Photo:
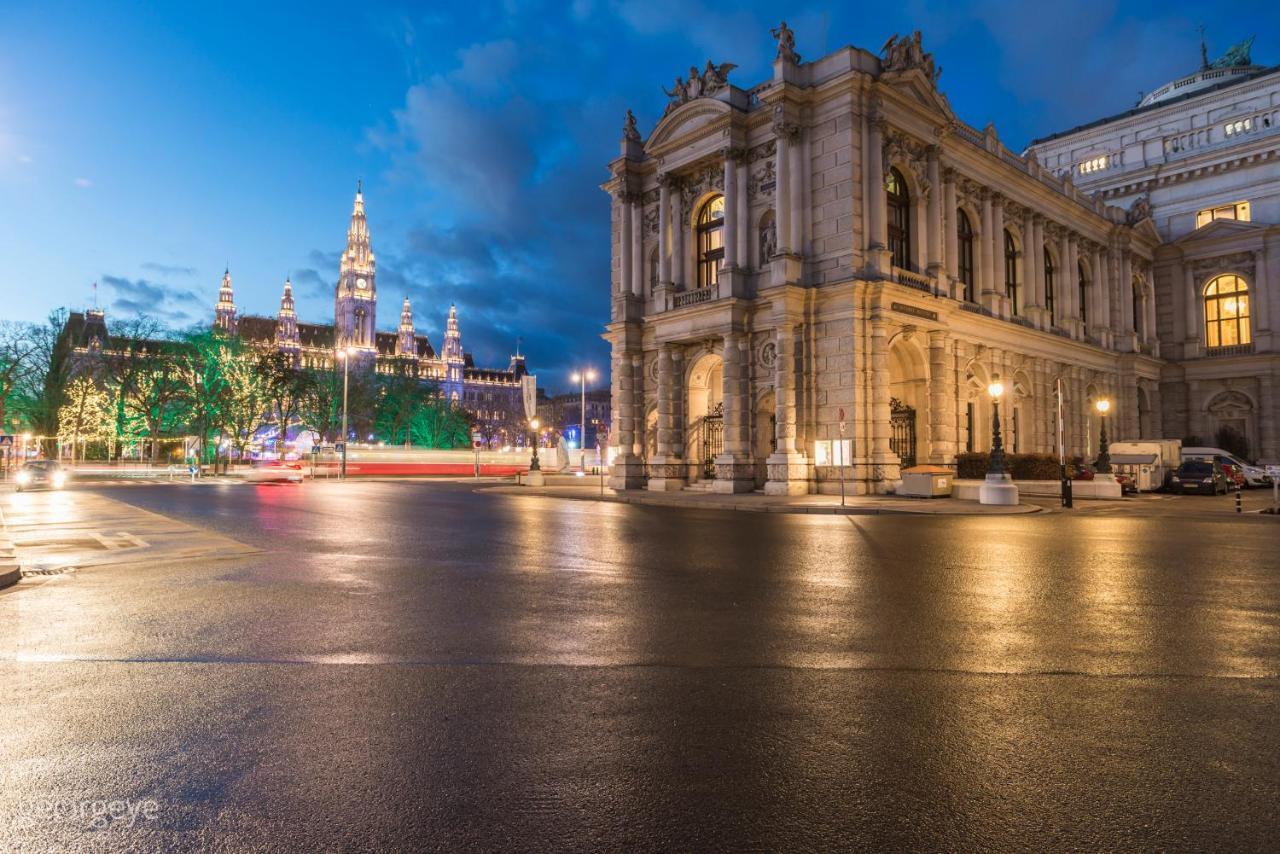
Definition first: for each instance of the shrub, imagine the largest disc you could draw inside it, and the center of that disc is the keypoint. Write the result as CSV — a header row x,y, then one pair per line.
x,y
1019,466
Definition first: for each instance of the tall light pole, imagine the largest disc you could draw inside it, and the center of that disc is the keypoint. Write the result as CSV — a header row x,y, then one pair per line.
x,y
533,463
345,354
996,462
1103,464
582,377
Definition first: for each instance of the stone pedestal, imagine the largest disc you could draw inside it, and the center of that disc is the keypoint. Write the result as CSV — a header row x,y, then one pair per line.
x,y
998,489
785,269
733,475
788,474
667,474
535,478
627,472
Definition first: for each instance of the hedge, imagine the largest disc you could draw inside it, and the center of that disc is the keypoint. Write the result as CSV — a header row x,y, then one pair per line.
x,y
1019,466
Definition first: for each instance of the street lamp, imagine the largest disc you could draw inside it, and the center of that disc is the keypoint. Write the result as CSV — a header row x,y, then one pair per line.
x,y
1103,464
533,462
582,377
996,463
345,355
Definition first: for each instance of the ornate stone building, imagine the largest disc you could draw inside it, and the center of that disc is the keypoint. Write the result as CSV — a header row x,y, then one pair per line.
x,y
1201,156
492,396
831,267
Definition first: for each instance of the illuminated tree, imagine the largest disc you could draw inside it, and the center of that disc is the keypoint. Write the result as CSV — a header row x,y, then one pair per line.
x,y
85,415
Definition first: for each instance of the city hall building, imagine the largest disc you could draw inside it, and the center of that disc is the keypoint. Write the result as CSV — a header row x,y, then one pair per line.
x,y
822,274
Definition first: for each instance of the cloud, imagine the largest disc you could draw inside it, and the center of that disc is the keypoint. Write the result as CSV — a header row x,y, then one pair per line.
x,y
168,269
83,183
171,305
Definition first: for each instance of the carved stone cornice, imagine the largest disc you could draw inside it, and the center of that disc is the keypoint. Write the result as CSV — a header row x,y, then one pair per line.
x,y
1236,262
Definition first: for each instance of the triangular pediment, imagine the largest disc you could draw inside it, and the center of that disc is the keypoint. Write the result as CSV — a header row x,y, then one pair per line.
x,y
1147,229
1222,228
686,119
915,84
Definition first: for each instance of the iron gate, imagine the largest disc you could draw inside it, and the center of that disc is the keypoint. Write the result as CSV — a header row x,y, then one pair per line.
x,y
712,440
902,437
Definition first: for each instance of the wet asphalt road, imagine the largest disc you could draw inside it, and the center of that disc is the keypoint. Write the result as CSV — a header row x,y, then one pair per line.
x,y
420,666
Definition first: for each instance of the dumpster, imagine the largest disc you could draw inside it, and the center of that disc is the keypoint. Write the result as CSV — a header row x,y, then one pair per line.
x,y
927,482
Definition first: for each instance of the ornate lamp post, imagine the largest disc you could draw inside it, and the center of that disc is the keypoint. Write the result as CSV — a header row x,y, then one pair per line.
x,y
583,377
996,463
1103,464
998,488
345,355
533,462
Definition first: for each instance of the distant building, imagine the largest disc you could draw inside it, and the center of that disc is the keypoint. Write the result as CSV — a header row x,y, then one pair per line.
x,y
563,414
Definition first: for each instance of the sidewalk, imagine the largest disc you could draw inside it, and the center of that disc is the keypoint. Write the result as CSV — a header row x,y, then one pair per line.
x,y
10,569
861,505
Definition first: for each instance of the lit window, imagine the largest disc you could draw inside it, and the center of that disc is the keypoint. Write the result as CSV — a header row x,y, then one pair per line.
x,y
1011,272
1235,210
899,204
964,244
1239,126
1226,312
710,242
1096,164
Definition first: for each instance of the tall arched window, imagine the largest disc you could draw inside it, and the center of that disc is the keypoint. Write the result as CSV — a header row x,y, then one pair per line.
x,y
1050,289
710,242
1082,285
899,204
1011,271
964,243
1226,312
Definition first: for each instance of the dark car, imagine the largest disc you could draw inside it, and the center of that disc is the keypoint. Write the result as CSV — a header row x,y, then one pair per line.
x,y
37,473
1202,476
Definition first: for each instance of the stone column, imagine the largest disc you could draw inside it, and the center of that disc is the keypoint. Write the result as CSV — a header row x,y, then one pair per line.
x,y
795,187
627,470
624,244
782,188
1126,302
678,229
985,286
933,208
1191,336
667,470
942,400
1097,287
734,472
730,230
637,246
1033,262
1066,311
664,231
877,211
744,217
1260,299
788,470
881,456
1070,285
1270,450
952,238
999,301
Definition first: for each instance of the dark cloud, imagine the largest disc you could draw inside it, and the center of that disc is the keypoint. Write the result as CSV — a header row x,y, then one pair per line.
x,y
168,269
169,304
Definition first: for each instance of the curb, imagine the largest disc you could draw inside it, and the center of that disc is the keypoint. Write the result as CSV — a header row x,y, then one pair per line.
x,y
10,569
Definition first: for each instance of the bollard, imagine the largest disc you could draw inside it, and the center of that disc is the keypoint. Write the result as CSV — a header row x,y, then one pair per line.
x,y
1239,504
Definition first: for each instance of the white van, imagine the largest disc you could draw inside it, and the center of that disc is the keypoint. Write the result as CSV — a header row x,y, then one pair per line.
x,y
1254,475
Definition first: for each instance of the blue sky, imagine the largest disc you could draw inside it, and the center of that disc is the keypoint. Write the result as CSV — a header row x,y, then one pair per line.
x,y
144,147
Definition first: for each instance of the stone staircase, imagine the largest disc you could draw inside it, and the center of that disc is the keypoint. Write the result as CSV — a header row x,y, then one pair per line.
x,y
703,485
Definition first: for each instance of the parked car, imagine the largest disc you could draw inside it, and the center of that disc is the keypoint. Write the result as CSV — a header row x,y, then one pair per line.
x,y
1234,473
1203,476
37,473
1128,486
1254,475
275,471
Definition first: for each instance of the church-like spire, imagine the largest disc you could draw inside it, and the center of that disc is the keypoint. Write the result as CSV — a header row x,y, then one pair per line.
x,y
286,299
406,341
224,315
358,256
455,359
287,321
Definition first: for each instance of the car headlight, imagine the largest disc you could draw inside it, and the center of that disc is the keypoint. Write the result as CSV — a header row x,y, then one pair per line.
x,y
24,477
1175,479
58,480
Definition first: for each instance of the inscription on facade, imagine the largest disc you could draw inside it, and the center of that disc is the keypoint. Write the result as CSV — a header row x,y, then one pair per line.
x,y
913,311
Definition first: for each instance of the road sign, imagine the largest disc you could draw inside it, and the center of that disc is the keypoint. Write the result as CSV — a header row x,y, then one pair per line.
x,y
6,440
1273,471
842,421
339,447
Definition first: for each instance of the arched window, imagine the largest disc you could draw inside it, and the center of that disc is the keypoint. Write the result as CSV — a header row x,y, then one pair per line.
x,y
1011,271
1226,312
710,242
1050,289
1082,284
899,203
964,263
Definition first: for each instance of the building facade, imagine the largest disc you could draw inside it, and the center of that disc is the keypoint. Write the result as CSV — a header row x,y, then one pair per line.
x,y
492,396
821,275
1201,156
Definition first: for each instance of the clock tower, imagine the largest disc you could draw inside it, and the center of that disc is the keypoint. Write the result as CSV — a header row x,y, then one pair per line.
x,y
356,298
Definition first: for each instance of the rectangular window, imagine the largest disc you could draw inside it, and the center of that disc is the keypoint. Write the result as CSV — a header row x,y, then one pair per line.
x,y
1236,210
969,444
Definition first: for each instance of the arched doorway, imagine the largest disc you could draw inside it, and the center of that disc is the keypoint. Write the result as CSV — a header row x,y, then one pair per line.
x,y
908,400
704,414
1146,427
1234,426
765,440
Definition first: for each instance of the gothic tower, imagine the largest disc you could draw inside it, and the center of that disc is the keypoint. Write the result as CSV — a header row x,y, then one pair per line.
x,y
454,360
224,316
287,323
356,297
406,341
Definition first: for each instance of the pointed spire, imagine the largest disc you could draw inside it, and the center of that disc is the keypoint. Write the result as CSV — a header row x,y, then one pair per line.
x,y
225,313
359,254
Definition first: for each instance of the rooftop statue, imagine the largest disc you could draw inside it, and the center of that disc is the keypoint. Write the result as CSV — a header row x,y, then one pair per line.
x,y
903,53
713,79
1237,55
629,129
786,43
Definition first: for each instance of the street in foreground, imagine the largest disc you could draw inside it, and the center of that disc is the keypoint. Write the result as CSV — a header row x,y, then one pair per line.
x,y
420,665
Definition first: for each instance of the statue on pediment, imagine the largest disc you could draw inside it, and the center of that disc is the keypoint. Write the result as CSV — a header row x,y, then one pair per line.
x,y
1237,55
710,81
903,53
1138,211
786,43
